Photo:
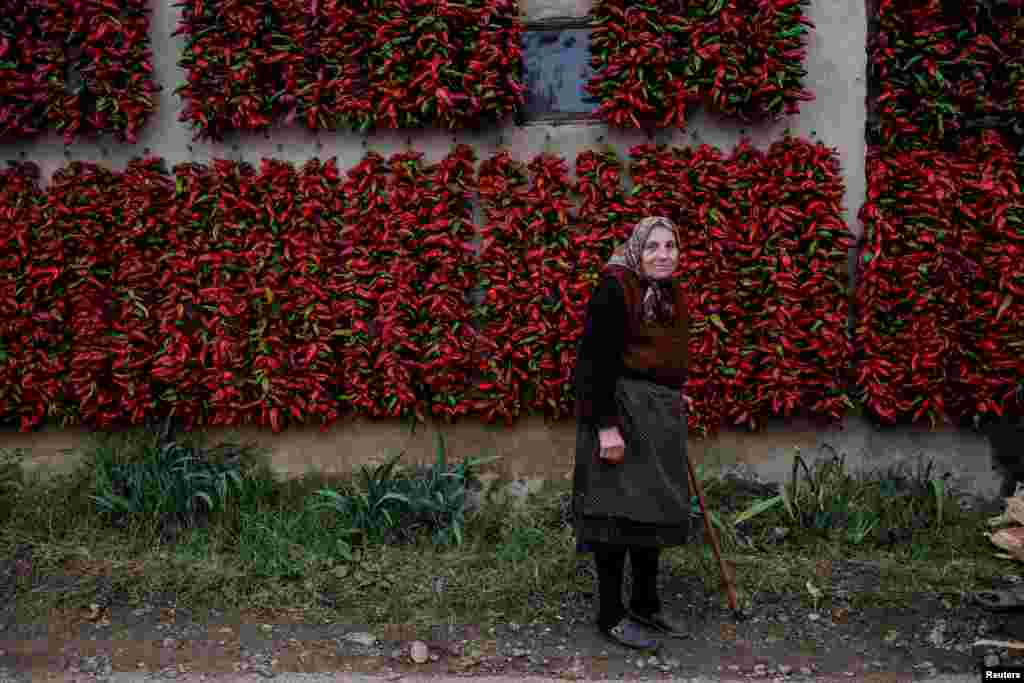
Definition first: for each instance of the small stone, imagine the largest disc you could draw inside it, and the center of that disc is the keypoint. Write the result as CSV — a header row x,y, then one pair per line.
x,y
733,667
434,657
264,671
814,616
652,660
785,669
418,652
640,663
361,638
849,674
991,660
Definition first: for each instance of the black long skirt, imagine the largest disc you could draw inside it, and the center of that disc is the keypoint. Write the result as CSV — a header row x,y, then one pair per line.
x,y
645,501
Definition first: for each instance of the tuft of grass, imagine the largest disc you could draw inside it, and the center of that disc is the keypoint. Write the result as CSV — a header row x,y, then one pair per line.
x,y
12,479
165,483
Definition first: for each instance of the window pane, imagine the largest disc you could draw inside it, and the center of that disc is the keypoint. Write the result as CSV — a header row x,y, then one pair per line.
x,y
557,67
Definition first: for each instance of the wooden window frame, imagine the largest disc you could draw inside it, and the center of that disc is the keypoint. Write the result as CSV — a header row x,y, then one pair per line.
x,y
558,24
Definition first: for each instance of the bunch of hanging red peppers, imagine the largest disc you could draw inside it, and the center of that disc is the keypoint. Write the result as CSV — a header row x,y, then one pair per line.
x,y
339,64
937,65
740,58
941,284
76,66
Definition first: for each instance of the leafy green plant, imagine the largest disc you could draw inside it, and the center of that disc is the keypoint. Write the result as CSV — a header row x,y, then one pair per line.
x,y
394,505
938,487
171,483
914,494
373,510
757,508
820,499
861,524
438,496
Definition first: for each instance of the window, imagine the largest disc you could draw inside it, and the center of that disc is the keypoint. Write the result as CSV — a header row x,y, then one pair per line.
x,y
556,67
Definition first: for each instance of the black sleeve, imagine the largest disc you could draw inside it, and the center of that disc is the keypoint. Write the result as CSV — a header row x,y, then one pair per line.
x,y
599,359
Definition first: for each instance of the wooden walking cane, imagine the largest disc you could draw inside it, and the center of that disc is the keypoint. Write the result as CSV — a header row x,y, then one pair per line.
x,y
727,578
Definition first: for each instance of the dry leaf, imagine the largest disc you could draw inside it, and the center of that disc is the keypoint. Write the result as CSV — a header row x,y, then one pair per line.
x,y
1015,509
823,569
1010,540
1009,644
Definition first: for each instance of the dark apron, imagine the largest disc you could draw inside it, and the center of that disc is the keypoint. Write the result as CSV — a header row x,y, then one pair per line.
x,y
645,501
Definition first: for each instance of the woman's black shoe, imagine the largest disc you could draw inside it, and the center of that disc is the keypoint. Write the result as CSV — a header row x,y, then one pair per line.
x,y
664,623
631,634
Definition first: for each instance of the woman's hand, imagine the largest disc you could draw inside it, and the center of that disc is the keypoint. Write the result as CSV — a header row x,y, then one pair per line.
x,y
613,448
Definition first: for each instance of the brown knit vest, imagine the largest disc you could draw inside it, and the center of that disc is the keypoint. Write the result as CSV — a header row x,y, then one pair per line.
x,y
653,349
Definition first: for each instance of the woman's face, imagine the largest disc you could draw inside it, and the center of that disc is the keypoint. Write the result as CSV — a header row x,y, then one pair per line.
x,y
661,253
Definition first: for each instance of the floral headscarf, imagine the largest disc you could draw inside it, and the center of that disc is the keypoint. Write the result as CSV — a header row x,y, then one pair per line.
x,y
657,297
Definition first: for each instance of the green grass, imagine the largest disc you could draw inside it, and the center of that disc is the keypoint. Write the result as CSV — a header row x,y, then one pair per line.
x,y
267,543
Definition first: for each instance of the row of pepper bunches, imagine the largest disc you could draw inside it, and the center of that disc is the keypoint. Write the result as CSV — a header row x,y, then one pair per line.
x,y
528,261
242,62
228,294
253,296
407,235
27,333
338,64
938,65
738,58
80,68
941,294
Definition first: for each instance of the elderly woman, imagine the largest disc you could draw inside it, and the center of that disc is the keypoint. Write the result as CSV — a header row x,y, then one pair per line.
x,y
630,485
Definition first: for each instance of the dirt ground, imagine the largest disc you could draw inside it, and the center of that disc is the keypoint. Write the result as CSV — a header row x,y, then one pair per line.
x,y
780,638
